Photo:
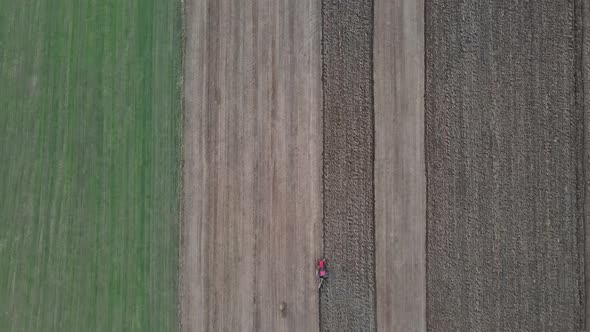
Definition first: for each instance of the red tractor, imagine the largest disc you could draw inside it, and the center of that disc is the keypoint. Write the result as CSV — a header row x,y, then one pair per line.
x,y
322,271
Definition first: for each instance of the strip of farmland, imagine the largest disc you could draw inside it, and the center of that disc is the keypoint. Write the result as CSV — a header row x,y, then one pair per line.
x,y
252,168
505,156
348,298
400,180
89,148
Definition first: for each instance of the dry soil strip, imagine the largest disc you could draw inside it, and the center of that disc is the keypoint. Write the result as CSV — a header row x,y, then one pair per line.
x,y
348,298
252,166
400,181
504,147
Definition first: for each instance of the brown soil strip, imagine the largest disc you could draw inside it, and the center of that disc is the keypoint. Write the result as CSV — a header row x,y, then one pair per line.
x,y
348,297
504,151
252,166
400,180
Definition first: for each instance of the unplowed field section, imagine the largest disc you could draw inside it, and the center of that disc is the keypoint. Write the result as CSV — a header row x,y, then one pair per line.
x,y
400,179
89,151
252,166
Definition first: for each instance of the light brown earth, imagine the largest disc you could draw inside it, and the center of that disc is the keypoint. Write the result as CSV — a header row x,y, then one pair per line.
x,y
400,181
252,166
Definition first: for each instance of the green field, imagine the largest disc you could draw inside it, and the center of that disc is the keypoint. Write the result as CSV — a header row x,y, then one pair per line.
x,y
90,125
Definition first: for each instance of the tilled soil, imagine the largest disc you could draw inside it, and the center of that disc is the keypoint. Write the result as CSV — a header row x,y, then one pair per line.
x,y
504,145
583,91
347,301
